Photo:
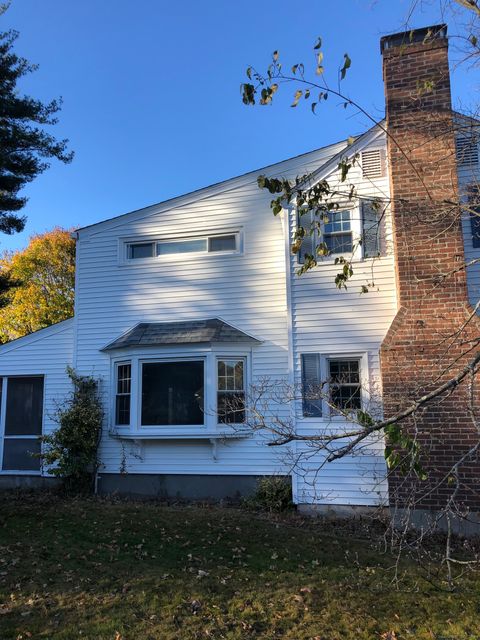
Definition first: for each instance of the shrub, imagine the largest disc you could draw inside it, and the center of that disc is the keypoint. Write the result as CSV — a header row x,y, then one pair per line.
x,y
72,448
273,493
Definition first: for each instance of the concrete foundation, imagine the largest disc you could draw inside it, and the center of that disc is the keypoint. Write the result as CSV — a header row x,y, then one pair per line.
x,y
178,487
28,482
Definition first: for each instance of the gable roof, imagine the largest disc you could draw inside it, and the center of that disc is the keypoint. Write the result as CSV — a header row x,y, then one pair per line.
x,y
154,334
40,334
318,156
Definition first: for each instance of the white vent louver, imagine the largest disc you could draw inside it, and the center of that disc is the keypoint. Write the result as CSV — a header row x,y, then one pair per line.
x,y
467,151
373,163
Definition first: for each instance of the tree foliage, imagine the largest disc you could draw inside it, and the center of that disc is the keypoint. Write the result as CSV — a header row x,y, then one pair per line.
x,y
72,448
38,284
25,145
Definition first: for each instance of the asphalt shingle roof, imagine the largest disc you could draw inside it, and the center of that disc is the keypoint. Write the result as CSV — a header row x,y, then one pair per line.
x,y
149,334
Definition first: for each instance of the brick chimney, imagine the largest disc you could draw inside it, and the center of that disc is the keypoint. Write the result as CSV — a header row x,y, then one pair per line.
x,y
422,347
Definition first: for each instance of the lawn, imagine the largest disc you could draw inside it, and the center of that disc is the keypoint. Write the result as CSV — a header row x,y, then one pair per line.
x,y
95,569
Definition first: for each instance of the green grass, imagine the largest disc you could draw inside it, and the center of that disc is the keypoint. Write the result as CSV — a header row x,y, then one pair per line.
x,y
99,570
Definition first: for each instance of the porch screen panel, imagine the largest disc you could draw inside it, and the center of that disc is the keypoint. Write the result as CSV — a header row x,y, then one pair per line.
x,y
24,406
17,454
172,393
23,418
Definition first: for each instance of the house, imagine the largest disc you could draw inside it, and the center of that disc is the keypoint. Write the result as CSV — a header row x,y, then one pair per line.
x,y
184,306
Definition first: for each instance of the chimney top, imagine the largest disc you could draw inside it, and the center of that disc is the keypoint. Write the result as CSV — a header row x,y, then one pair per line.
x,y
424,35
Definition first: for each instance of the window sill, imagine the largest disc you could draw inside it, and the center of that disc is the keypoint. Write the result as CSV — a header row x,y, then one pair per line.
x,y
178,435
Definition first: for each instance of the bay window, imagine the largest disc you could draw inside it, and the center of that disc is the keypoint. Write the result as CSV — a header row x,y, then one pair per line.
x,y
179,394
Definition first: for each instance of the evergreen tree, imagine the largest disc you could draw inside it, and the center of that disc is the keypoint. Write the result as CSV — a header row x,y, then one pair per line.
x,y
25,146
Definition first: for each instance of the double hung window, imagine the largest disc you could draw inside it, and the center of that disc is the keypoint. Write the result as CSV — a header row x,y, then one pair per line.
x,y
330,385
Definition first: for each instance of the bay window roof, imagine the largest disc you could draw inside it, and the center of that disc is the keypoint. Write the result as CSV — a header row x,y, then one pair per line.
x,y
152,334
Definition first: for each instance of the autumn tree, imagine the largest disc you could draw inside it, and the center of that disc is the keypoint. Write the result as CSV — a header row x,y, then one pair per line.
x,y
26,146
42,280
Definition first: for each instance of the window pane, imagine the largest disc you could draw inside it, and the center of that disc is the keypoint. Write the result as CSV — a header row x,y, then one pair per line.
x,y
122,410
144,250
181,246
231,391
222,243
124,378
172,393
24,406
339,243
345,391
231,407
17,454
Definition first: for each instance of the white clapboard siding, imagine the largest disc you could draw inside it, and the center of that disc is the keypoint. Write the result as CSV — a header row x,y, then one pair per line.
x,y
327,320
46,352
248,291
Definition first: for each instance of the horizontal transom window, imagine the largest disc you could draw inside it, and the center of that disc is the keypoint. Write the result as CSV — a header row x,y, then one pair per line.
x,y
218,243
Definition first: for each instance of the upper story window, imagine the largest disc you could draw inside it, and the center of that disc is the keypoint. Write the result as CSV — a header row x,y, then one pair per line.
x,y
346,230
218,243
337,232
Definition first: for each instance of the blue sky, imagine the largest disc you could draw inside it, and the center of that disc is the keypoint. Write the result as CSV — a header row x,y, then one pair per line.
x,y
151,94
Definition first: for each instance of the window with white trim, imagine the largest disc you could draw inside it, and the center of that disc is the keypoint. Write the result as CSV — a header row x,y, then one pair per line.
x,y
345,392
231,390
331,385
342,231
215,243
123,393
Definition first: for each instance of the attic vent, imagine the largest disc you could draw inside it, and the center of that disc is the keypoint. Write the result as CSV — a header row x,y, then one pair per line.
x,y
373,163
467,151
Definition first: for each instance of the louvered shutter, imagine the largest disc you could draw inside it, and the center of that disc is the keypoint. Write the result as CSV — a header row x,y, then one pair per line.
x,y
370,230
467,151
312,405
475,216
308,244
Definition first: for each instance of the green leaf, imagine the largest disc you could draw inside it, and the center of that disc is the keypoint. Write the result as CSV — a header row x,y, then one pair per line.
x,y
473,40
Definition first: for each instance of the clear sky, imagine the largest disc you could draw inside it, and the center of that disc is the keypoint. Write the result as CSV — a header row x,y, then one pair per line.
x,y
151,93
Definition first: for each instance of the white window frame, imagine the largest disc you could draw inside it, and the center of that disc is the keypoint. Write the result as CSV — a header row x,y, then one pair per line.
x,y
328,414
3,413
114,415
355,226
210,356
126,243
218,358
